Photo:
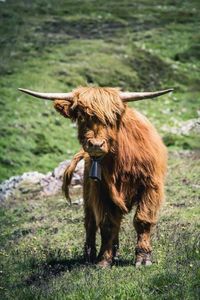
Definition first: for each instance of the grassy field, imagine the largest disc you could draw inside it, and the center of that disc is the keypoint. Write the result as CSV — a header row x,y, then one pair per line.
x,y
56,46
43,241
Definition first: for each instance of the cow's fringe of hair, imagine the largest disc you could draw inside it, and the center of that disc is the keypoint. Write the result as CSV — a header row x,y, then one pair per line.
x,y
68,173
104,103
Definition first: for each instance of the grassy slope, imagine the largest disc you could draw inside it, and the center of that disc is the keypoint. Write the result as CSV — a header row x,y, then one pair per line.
x,y
52,47
43,241
49,47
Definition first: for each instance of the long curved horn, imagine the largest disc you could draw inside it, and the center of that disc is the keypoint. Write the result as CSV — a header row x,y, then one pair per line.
x,y
131,96
49,96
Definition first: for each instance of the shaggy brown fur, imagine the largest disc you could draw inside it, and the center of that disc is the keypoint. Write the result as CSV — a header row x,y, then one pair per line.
x,y
133,169
67,176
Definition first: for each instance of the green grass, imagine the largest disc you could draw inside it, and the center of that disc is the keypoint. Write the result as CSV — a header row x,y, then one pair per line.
x,y
135,46
42,243
57,46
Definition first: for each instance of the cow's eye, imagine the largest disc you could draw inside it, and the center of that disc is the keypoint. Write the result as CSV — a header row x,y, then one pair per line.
x,y
81,118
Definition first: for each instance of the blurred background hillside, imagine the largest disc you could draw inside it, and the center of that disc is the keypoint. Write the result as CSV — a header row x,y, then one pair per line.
x,y
58,45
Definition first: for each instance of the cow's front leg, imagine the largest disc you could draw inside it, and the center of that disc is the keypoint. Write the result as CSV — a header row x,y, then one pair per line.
x,y
90,243
144,220
109,229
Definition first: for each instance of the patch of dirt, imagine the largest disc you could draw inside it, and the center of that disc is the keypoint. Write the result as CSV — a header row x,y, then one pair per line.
x,y
96,28
86,29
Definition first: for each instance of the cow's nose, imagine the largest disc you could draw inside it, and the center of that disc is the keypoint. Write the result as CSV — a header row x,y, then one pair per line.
x,y
96,143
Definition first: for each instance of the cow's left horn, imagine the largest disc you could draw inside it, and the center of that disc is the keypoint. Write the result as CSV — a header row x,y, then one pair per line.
x,y
49,96
135,96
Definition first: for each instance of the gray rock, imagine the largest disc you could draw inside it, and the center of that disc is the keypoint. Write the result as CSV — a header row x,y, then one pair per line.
x,y
185,128
35,184
190,126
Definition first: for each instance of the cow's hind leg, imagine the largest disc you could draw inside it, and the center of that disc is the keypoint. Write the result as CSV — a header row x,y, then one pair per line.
x,y
109,229
115,248
144,220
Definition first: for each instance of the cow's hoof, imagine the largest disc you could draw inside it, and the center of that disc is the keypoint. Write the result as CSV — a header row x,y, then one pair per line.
x,y
143,263
104,263
147,262
90,260
143,258
89,255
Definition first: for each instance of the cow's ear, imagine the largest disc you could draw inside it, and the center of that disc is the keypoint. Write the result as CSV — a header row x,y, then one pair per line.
x,y
63,107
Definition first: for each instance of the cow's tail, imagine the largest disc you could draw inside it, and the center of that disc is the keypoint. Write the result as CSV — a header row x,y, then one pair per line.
x,y
67,176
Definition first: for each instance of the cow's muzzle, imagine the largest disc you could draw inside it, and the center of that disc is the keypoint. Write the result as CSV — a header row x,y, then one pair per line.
x,y
95,147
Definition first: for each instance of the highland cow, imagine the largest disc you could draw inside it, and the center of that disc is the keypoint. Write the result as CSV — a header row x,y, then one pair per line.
x,y
131,158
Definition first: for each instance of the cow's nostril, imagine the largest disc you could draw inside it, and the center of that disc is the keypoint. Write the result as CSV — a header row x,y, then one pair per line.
x,y
101,143
90,144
